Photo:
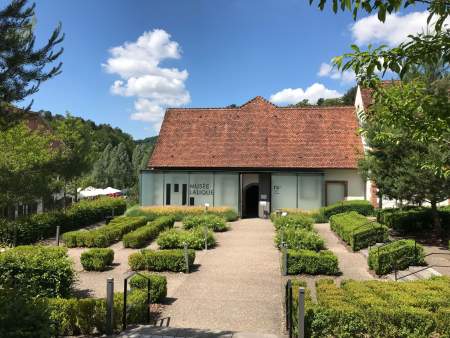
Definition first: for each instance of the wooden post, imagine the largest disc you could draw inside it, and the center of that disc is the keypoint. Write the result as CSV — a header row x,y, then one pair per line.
x,y
301,313
109,305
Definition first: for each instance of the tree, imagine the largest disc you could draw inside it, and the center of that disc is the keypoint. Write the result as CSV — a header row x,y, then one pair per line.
x,y
100,174
119,169
402,167
349,97
27,159
22,67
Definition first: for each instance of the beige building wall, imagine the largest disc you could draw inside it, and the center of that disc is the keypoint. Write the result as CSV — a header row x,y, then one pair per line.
x,y
355,184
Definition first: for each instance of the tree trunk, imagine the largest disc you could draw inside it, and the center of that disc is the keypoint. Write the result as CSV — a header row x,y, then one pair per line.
x,y
436,220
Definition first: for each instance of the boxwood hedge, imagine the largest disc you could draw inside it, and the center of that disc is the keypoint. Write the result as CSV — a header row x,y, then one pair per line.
x,y
143,235
213,222
362,207
312,262
195,239
97,259
161,260
105,235
297,238
158,285
402,253
357,231
294,221
37,270
30,229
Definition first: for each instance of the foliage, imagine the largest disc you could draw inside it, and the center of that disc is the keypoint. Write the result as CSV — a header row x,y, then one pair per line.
x,y
153,212
105,235
37,270
30,229
348,99
298,238
97,259
360,206
161,260
87,316
317,214
213,222
23,317
398,254
22,67
195,239
378,309
312,262
158,285
141,236
298,221
357,231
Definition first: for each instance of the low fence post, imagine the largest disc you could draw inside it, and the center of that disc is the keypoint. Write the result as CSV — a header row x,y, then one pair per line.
x,y
149,301
206,237
124,313
286,302
58,229
301,312
415,252
395,270
109,305
186,257
285,259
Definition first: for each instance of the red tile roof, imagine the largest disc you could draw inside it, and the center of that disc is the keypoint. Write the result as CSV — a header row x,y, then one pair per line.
x,y
258,135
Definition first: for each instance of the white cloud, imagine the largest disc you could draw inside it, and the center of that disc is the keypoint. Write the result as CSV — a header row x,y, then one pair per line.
x,y
393,31
312,94
155,88
327,70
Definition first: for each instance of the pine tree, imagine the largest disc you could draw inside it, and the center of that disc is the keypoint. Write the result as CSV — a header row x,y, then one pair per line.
x,y
100,173
22,67
120,169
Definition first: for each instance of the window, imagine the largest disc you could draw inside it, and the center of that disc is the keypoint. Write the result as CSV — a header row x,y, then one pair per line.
x,y
191,201
168,194
176,187
184,195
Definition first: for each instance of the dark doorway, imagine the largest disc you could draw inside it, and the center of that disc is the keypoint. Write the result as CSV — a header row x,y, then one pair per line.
x,y
251,199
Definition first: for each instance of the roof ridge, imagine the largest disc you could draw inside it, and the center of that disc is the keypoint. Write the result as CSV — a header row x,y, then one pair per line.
x,y
258,97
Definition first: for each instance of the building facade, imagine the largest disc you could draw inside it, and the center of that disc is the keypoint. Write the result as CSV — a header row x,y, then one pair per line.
x,y
255,157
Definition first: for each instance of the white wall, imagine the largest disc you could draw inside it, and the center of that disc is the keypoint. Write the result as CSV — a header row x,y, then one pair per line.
x,y
355,183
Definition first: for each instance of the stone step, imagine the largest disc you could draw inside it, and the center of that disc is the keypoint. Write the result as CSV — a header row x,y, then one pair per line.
x,y
150,331
422,273
365,252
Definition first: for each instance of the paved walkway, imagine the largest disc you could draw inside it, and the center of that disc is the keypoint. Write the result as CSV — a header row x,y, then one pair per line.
x,y
352,264
237,286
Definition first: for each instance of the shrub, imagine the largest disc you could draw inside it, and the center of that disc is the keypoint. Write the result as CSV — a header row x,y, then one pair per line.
x,y
37,270
153,212
316,215
105,235
362,207
213,222
294,221
300,239
158,285
30,229
195,239
97,259
160,260
357,231
311,262
403,253
142,236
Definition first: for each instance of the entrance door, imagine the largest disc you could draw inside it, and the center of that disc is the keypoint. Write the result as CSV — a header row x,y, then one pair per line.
x,y
251,200
335,191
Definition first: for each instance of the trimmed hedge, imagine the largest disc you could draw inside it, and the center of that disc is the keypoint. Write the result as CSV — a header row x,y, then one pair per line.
x,y
311,262
97,259
180,212
105,235
297,238
403,252
37,270
316,215
213,222
294,221
412,219
142,236
362,207
33,228
158,285
357,231
378,309
87,316
160,260
195,239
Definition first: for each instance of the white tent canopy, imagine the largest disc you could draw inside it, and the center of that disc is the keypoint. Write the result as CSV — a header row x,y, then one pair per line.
x,y
94,192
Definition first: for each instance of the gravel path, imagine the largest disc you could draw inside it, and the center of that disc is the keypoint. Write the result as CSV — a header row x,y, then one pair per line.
x,y
237,286
352,264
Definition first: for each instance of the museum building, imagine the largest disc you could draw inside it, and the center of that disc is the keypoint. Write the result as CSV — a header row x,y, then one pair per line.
x,y
257,157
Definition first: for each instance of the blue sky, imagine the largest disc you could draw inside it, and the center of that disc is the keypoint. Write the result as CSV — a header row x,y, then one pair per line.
x,y
197,53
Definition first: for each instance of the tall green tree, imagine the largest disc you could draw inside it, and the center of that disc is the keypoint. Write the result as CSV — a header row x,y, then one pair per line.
x,y
120,169
22,66
100,173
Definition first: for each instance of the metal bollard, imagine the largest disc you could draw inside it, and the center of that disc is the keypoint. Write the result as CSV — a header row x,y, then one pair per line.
x,y
186,257
301,313
109,305
58,228
206,238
